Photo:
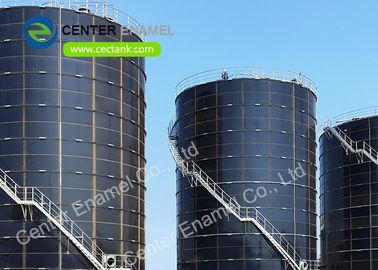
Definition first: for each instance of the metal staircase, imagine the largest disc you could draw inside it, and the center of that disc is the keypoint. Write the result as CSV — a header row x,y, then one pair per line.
x,y
361,148
32,196
197,177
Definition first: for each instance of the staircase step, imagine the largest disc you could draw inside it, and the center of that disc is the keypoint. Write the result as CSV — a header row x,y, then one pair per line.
x,y
189,168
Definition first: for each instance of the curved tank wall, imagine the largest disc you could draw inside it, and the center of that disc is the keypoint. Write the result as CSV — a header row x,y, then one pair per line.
x,y
74,128
248,133
349,200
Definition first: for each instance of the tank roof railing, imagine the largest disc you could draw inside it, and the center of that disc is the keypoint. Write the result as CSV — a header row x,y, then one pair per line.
x,y
100,8
348,116
355,114
245,72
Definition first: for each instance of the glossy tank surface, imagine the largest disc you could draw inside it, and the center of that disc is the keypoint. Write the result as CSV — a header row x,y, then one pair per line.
x,y
74,128
256,139
349,200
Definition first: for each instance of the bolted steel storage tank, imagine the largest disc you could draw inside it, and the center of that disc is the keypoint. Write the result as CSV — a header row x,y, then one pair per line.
x,y
349,192
75,129
252,131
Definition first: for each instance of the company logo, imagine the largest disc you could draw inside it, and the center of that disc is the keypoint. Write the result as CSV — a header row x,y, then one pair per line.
x,y
39,32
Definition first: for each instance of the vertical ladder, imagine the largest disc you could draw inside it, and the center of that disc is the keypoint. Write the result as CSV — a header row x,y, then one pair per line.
x,y
197,176
32,196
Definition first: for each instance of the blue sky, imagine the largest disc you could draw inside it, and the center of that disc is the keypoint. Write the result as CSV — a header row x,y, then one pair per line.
x,y
333,42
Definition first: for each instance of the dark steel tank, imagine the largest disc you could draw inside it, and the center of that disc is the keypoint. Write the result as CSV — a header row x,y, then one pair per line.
x,y
74,128
252,131
349,196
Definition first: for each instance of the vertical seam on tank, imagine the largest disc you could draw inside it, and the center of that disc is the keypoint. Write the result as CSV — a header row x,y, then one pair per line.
x,y
370,201
349,158
308,183
121,158
216,160
294,166
23,135
194,187
139,166
245,224
94,146
60,132
270,131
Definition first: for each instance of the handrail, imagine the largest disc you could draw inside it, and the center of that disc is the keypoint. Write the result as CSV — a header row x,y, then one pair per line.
x,y
245,72
33,196
244,214
357,147
356,114
349,116
100,8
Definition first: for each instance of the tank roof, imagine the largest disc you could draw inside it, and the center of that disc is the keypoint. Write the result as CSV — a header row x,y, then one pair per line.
x,y
250,72
98,8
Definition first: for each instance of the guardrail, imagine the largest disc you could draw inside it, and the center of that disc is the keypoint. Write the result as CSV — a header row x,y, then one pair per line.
x,y
33,196
99,8
357,147
197,176
245,72
355,114
349,116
